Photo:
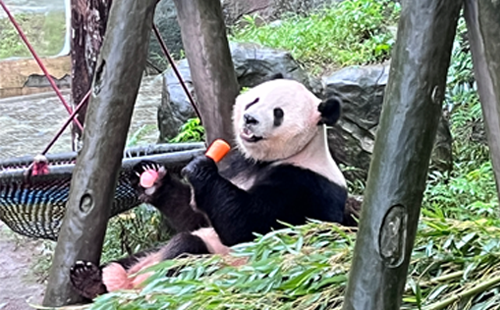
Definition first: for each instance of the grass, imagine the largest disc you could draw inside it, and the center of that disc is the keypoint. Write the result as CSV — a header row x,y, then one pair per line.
x,y
46,32
352,32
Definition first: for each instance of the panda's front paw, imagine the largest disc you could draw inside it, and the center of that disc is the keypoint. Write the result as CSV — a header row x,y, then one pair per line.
x,y
200,170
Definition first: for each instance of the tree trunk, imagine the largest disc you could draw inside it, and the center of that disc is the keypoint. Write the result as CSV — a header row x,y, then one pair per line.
x,y
398,171
114,91
483,25
207,50
88,24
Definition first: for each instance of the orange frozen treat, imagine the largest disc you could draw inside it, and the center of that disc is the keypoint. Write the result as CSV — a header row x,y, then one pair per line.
x,y
217,150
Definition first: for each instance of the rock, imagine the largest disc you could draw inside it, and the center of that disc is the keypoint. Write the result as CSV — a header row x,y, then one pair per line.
x,y
175,108
166,20
351,140
253,65
269,10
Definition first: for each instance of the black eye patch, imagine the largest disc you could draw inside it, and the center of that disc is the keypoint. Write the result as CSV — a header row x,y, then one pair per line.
x,y
251,103
278,116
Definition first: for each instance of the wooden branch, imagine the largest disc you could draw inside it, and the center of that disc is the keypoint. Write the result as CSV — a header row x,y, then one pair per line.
x,y
114,91
483,25
398,171
207,50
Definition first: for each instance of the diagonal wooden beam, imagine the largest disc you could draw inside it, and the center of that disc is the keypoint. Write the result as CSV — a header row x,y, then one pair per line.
x,y
483,26
398,171
114,90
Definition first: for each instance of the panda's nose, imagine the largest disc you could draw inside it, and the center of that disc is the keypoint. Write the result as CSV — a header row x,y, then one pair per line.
x,y
249,119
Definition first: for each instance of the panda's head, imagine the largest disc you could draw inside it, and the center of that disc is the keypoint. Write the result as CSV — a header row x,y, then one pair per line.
x,y
277,119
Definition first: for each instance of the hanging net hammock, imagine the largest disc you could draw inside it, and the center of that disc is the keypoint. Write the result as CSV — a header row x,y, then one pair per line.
x,y
35,206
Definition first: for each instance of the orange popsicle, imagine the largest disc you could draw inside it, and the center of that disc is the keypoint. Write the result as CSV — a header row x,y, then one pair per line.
x,y
217,150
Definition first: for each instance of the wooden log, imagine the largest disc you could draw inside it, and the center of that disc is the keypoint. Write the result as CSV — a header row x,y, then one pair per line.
x,y
398,172
88,25
207,50
483,26
114,91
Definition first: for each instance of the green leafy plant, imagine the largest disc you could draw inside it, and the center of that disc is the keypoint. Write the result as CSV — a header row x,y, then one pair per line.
x,y
130,232
191,131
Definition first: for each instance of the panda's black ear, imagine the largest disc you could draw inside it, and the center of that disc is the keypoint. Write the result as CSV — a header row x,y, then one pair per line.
x,y
330,110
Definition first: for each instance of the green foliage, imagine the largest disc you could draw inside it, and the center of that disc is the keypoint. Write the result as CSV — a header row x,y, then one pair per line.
x,y
45,32
306,267
469,191
133,231
351,32
191,131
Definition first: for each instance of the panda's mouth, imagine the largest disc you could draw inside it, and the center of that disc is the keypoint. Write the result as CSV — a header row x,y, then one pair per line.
x,y
249,136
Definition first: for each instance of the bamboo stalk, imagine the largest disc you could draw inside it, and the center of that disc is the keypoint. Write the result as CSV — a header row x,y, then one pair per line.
x,y
465,294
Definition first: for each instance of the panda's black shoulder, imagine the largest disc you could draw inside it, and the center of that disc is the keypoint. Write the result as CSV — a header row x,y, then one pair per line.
x,y
237,164
308,193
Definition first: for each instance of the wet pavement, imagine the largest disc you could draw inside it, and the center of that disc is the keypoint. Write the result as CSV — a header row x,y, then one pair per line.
x,y
28,123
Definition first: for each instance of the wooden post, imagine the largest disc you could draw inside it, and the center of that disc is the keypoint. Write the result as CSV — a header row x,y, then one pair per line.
x,y
114,91
483,26
207,50
398,171
88,24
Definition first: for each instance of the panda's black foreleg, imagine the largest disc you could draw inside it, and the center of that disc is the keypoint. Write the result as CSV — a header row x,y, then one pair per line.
x,y
234,213
171,197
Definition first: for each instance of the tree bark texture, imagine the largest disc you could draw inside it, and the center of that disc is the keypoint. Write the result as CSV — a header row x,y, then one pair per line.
x,y
398,170
483,26
204,38
88,25
114,91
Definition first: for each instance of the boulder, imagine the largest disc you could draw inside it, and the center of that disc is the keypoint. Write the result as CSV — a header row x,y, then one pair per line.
x,y
253,65
175,108
351,141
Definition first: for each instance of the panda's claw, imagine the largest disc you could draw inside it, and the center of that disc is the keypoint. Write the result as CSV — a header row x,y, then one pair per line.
x,y
86,279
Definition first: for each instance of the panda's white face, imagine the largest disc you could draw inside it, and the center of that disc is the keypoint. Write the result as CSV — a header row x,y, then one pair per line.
x,y
275,120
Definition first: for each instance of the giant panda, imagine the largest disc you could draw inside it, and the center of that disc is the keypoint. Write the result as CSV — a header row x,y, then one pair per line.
x,y
281,170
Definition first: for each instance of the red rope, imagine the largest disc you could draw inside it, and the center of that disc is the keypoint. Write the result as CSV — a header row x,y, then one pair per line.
x,y
174,67
40,64
70,118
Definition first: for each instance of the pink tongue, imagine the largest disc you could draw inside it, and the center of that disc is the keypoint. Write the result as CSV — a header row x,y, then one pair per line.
x,y
148,178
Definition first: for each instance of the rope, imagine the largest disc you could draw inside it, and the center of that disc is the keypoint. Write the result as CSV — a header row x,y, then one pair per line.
x,y
70,118
176,71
